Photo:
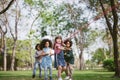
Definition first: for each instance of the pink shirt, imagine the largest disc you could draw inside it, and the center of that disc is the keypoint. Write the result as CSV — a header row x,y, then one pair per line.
x,y
57,46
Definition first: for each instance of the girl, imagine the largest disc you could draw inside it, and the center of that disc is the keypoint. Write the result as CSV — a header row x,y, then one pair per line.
x,y
37,61
69,58
46,46
59,56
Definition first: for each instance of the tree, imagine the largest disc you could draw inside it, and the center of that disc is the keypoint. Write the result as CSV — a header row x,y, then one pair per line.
x,y
98,56
3,45
14,33
114,33
8,6
112,24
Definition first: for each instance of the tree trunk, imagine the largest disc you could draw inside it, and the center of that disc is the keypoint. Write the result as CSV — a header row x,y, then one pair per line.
x,y
81,45
3,47
81,61
114,33
115,39
31,56
116,55
5,55
13,56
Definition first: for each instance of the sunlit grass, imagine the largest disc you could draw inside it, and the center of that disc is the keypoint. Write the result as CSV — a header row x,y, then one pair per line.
x,y
77,75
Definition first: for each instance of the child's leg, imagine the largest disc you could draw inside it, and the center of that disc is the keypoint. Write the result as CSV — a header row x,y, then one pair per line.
x,y
67,70
40,71
34,69
63,68
45,73
59,71
50,72
70,70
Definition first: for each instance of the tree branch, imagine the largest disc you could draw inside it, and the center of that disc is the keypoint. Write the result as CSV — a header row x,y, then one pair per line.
x,y
8,6
106,18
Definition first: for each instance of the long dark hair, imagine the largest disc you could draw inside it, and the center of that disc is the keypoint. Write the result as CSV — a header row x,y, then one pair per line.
x,y
42,43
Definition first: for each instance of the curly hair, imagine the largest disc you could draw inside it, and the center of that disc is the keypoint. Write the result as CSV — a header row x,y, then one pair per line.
x,y
37,46
42,44
68,40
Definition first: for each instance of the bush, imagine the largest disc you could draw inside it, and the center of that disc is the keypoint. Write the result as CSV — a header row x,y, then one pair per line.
x,y
109,64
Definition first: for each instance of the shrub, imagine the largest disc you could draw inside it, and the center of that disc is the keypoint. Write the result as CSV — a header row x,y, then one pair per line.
x,y
109,64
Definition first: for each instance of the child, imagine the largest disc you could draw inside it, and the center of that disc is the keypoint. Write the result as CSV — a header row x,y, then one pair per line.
x,y
69,58
37,60
59,56
46,46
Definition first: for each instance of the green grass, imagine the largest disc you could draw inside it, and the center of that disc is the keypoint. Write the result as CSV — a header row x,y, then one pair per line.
x,y
77,75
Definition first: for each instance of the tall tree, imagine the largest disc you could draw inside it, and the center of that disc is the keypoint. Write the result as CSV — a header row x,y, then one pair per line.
x,y
110,10
3,45
114,33
14,33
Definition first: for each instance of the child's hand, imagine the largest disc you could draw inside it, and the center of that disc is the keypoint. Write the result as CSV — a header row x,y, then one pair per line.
x,y
57,47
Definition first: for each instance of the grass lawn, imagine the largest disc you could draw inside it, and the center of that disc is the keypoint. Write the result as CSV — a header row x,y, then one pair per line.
x,y
77,75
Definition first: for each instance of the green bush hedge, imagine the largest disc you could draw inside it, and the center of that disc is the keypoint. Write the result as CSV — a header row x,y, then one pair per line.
x,y
109,64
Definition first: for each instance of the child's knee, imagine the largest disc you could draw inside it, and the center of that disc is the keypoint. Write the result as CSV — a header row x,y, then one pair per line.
x,y
59,68
64,68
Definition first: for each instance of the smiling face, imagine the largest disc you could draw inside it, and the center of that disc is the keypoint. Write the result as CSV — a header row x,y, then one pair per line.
x,y
58,40
68,44
47,44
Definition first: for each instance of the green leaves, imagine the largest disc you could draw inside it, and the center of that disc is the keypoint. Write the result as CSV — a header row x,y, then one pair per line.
x,y
30,2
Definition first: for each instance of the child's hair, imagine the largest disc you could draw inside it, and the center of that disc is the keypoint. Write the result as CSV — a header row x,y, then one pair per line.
x,y
43,42
58,37
36,46
68,40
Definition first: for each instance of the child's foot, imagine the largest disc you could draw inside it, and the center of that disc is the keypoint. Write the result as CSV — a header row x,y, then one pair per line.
x,y
40,76
60,78
70,79
46,79
67,77
33,76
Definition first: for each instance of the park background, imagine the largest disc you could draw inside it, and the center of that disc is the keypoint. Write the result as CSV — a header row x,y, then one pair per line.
x,y
92,25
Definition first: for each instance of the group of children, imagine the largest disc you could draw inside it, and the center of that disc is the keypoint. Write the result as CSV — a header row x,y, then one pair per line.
x,y
63,58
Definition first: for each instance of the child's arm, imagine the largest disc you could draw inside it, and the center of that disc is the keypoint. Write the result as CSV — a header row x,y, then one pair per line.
x,y
42,54
51,52
67,48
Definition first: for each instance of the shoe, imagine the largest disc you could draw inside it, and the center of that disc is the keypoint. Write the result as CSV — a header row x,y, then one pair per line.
x,y
40,76
60,78
70,78
67,77
33,76
46,79
50,78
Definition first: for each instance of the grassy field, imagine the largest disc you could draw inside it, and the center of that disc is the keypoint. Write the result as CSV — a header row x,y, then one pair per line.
x,y
78,75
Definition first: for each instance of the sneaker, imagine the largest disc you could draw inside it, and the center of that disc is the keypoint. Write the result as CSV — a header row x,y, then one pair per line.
x,y
45,78
60,78
33,76
50,78
67,77
40,76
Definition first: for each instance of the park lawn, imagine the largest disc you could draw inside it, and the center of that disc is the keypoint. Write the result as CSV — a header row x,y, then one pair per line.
x,y
78,75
